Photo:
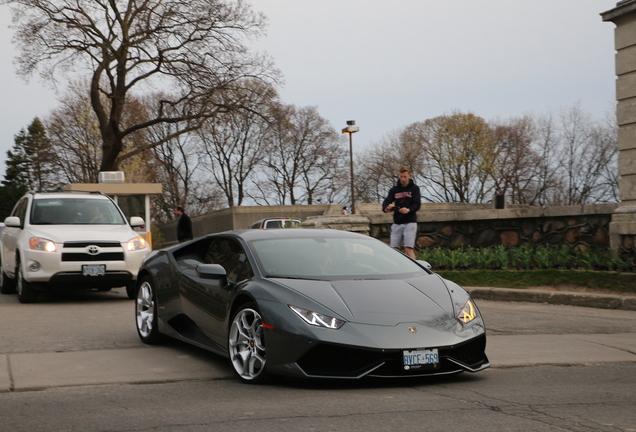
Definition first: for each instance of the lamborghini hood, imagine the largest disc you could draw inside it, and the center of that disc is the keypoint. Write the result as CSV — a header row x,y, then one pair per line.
x,y
380,302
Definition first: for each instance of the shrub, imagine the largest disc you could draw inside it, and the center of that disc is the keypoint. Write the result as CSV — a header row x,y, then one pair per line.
x,y
524,258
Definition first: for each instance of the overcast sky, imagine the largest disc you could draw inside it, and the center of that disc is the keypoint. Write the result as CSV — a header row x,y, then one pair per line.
x,y
386,64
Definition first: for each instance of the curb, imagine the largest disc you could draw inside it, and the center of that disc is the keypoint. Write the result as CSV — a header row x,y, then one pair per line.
x,y
600,301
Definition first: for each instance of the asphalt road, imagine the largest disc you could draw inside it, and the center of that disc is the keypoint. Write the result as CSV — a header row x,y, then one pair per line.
x,y
75,363
533,399
89,338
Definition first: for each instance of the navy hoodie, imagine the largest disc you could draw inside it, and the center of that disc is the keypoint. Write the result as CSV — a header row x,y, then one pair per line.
x,y
404,196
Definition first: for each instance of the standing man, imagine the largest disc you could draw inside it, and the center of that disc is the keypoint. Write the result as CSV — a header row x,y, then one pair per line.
x,y
184,226
404,201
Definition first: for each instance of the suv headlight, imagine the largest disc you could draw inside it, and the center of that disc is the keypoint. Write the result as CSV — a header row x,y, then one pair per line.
x,y
136,244
42,244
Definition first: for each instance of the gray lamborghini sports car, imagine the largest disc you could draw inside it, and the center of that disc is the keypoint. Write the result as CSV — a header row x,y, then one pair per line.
x,y
309,303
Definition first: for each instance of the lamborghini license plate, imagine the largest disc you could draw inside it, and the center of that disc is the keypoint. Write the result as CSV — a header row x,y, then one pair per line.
x,y
420,357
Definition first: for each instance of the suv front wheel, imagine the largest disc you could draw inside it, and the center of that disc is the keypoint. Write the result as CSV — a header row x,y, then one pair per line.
x,y
26,293
131,290
7,285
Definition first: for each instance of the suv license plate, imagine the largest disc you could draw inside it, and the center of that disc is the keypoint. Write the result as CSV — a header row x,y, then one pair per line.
x,y
414,359
94,269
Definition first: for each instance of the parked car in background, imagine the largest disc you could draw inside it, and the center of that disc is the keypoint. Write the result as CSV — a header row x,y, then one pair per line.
x,y
281,222
69,240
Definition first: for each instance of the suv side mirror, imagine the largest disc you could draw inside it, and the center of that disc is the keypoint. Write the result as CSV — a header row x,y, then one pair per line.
x,y
13,221
136,221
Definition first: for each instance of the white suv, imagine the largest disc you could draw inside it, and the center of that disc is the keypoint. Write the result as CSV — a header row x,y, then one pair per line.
x,y
68,240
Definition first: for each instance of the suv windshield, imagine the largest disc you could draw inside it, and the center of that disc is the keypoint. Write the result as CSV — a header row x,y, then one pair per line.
x,y
75,211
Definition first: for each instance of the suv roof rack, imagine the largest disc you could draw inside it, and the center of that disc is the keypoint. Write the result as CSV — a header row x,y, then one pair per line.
x,y
33,192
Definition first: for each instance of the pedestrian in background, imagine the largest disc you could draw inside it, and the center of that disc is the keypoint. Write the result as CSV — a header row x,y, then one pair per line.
x,y
404,200
184,225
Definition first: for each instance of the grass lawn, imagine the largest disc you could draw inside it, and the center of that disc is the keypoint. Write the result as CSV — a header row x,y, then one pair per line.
x,y
600,280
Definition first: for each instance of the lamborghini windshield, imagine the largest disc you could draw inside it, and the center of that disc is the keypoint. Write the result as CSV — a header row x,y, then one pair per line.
x,y
329,257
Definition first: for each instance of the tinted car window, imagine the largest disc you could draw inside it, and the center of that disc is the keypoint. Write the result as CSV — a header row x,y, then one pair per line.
x,y
231,256
20,209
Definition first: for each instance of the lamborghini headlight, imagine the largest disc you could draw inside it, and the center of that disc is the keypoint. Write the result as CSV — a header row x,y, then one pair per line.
x,y
468,313
317,319
136,244
42,244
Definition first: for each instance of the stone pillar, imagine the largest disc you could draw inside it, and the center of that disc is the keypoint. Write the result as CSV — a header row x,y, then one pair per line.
x,y
623,226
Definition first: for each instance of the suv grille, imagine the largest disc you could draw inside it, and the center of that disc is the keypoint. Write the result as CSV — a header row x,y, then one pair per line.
x,y
78,244
110,251
107,256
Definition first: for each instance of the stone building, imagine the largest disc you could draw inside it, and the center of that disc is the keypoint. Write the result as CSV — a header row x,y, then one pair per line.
x,y
623,226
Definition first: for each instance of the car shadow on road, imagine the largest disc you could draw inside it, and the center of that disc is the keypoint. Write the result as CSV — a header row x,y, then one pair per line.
x,y
374,383
84,295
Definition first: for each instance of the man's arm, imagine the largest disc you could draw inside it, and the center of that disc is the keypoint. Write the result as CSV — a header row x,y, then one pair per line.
x,y
417,199
387,204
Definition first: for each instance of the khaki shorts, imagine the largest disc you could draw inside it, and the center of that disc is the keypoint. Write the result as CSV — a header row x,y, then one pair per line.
x,y
403,235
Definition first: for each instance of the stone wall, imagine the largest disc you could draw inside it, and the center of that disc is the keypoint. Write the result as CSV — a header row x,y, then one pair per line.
x,y
478,225
574,226
441,225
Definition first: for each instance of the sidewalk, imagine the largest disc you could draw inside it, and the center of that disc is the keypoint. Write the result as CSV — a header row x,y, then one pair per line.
x,y
601,301
147,364
150,364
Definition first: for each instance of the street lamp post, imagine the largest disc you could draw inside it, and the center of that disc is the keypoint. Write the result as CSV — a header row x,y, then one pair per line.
x,y
351,129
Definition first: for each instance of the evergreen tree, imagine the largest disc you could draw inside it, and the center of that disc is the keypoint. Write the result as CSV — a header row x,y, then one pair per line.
x,y
36,148
27,166
14,184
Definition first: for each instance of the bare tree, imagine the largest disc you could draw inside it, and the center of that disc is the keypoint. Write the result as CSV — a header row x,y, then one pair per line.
x,y
546,182
375,168
234,143
304,161
519,166
606,136
177,165
195,48
586,150
75,138
379,165
76,141
459,157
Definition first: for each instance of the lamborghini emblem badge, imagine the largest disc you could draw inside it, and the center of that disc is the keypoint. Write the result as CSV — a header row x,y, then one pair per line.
x,y
412,329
